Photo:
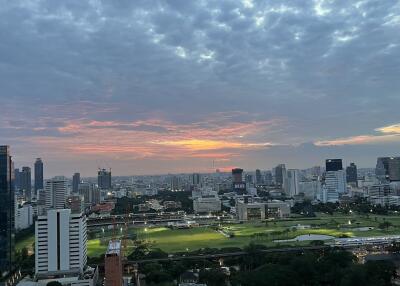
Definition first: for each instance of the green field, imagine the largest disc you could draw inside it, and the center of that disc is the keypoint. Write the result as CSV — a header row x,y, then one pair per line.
x,y
178,240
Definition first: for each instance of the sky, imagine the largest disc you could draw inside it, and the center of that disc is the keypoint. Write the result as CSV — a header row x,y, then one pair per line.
x,y
152,87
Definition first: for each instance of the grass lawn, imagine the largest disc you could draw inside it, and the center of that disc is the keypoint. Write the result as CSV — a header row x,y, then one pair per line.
x,y
177,240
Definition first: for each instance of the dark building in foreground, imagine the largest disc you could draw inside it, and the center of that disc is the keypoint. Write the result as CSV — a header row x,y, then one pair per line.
x,y
38,175
7,215
333,165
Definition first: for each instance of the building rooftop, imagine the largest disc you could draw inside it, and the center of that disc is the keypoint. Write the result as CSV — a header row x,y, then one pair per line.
x,y
114,247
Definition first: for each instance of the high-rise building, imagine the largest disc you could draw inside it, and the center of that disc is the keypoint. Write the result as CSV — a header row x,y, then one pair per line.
x,y
56,193
26,182
280,175
76,179
38,175
382,168
394,169
333,165
293,179
60,243
336,181
104,179
90,192
237,175
7,212
351,174
195,179
268,178
113,264
17,181
259,179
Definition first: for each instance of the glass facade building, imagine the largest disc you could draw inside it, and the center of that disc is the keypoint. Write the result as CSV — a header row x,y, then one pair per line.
x,y
7,216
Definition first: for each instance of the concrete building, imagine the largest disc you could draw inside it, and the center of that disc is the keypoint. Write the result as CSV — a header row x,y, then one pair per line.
x,y
75,203
328,195
207,204
310,189
23,217
113,264
104,179
56,193
351,175
394,169
382,168
90,192
249,209
280,175
293,179
336,181
60,243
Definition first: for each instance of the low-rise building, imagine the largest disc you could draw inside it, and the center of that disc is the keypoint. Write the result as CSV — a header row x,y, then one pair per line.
x,y
207,204
23,217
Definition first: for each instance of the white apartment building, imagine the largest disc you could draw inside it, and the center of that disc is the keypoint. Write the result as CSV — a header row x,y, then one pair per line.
x,y
336,181
56,193
293,178
60,243
23,217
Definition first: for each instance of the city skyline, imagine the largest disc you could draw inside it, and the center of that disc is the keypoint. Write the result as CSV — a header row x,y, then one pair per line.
x,y
156,87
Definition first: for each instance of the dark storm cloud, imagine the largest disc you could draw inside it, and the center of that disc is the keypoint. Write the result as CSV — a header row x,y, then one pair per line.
x,y
325,69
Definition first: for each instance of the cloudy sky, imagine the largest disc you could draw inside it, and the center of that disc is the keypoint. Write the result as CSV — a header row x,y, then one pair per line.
x,y
149,87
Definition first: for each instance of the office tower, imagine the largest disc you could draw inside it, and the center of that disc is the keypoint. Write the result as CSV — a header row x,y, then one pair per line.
x,y
382,168
56,193
248,179
17,181
113,264
75,203
259,179
104,179
90,192
7,212
26,182
333,165
237,175
280,174
60,242
38,175
293,179
268,178
351,174
394,169
336,181
195,179
76,179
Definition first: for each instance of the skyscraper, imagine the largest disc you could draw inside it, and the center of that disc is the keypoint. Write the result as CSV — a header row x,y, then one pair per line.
x,y
237,175
195,179
382,168
17,181
76,179
280,174
104,179
351,174
26,182
259,179
38,175
394,169
56,193
293,179
60,242
333,165
7,212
